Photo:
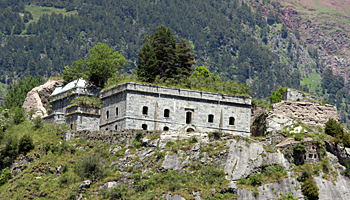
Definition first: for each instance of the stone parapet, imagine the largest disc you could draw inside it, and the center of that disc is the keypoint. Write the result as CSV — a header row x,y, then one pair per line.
x,y
171,91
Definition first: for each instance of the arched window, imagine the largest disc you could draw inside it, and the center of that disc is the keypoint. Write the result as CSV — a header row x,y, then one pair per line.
x,y
166,128
166,113
145,110
144,127
107,114
116,127
232,121
188,117
210,118
116,111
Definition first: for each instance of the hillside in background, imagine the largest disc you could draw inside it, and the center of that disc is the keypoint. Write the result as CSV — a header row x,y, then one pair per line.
x,y
265,44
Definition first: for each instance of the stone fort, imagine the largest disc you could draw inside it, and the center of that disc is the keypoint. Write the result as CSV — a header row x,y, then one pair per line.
x,y
138,106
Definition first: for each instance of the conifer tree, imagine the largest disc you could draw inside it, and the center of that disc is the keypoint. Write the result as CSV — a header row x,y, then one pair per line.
x,y
162,56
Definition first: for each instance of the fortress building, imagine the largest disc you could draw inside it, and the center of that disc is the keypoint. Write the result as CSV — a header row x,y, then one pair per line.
x,y
131,106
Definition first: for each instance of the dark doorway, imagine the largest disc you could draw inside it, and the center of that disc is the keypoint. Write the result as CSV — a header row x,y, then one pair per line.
x,y
188,117
116,127
166,128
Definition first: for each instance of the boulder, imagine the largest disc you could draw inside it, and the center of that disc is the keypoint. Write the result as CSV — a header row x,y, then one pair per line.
x,y
85,184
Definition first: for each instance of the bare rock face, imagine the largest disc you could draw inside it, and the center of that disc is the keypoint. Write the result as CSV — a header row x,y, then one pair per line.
x,y
312,114
38,97
243,159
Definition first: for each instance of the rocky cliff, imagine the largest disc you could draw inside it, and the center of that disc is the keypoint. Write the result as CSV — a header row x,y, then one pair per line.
x,y
38,97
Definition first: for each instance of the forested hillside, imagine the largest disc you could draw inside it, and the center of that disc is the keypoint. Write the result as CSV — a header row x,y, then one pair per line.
x,y
251,41
220,33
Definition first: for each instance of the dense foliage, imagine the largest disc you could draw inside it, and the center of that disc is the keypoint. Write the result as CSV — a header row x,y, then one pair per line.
x,y
17,92
101,64
335,129
276,96
221,34
162,56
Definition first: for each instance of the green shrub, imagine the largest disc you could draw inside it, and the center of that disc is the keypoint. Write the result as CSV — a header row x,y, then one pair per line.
x,y
309,189
11,144
25,144
333,128
139,136
89,167
193,140
297,137
38,122
18,115
5,176
217,135
300,148
276,96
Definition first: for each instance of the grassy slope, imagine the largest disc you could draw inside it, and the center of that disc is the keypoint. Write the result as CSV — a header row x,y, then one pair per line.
x,y
37,11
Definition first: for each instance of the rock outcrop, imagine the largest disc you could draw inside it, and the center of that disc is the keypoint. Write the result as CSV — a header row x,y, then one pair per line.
x,y
38,97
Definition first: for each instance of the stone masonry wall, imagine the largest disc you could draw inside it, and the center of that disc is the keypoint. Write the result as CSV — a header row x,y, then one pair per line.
x,y
295,95
181,104
313,114
110,136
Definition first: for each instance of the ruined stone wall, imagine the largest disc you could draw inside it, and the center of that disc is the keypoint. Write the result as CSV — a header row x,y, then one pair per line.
x,y
295,95
312,114
188,109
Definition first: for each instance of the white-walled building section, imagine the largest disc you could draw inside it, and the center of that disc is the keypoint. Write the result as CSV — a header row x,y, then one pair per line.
x,y
152,107
136,106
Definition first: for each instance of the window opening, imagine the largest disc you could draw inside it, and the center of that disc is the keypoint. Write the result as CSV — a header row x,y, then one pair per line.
x,y
144,127
232,121
166,113
188,117
116,127
107,114
166,128
116,111
145,110
211,118
71,126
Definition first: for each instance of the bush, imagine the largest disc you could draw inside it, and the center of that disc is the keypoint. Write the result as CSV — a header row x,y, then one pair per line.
x,y
193,140
89,167
38,122
333,128
5,176
25,144
19,115
299,148
309,189
297,137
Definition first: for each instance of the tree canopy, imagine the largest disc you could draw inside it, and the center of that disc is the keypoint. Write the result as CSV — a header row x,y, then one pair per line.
x,y
101,64
163,56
